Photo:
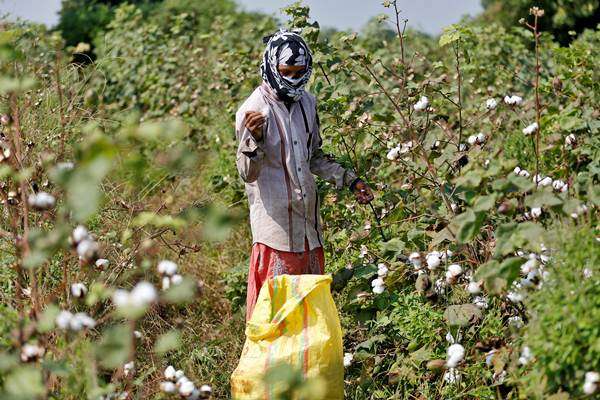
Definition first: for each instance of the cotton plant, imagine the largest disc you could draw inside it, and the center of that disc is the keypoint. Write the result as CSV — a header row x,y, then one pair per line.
x,y
453,272
168,271
85,245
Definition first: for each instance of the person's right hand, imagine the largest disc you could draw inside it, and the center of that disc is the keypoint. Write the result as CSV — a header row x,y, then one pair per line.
x,y
254,123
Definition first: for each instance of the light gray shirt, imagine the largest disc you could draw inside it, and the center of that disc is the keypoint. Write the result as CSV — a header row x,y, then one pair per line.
x,y
278,171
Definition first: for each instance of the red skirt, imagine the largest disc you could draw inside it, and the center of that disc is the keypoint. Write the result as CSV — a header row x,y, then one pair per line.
x,y
266,263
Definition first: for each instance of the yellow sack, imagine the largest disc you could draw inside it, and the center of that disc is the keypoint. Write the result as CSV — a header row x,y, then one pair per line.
x,y
295,321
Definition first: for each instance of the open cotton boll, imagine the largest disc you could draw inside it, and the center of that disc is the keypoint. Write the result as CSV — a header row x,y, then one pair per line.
x,y
166,267
454,270
536,212
452,376
481,302
143,294
186,388
378,289
481,138
433,261
421,104
524,173
41,201
474,287
450,338
168,387
102,263
472,139
63,319
79,233
516,322
526,355
377,282
169,373
393,153
491,104
455,355
30,352
165,283
348,357
570,140
515,297
415,259
87,249
81,320
513,100
529,266
529,129
129,368
592,376
590,387
176,279
205,390
547,181
382,270
78,289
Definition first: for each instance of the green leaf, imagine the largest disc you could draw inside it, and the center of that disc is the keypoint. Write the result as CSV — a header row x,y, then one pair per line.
x,y
462,315
512,236
484,203
522,183
469,224
115,346
167,342
497,275
541,198
181,293
83,188
24,383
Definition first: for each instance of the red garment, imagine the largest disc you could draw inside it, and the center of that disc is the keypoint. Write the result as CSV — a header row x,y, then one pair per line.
x,y
266,262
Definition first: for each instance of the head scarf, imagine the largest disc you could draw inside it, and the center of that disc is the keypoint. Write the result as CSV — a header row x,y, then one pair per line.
x,y
285,47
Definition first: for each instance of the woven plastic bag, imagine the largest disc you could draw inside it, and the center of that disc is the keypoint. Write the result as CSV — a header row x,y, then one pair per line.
x,y
295,321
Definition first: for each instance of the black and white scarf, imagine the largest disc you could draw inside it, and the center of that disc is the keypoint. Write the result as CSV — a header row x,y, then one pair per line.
x,y
286,47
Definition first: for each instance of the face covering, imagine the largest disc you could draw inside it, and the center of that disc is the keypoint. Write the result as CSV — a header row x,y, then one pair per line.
x,y
285,47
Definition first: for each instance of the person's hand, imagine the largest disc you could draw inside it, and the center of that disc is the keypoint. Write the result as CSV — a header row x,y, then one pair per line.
x,y
254,123
363,192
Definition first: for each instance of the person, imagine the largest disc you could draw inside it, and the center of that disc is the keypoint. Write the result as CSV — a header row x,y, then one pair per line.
x,y
279,150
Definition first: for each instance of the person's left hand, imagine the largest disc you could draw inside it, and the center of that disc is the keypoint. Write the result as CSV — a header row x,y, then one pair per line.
x,y
363,192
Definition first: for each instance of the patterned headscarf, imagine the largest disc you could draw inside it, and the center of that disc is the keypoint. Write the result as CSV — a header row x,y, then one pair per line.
x,y
285,47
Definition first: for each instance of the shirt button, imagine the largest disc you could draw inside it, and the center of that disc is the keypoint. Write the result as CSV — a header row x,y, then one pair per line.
x,y
299,169
295,142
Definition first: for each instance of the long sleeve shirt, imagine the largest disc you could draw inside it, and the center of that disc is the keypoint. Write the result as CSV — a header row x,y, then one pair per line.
x,y
278,171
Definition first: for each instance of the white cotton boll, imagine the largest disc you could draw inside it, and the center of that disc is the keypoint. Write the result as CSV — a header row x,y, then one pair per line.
x,y
382,270
526,356
363,251
377,282
590,387
592,376
489,357
78,289
528,266
179,374
176,279
472,139
515,297
570,140
415,259
166,267
79,234
63,319
481,302
205,390
120,298
169,373
129,368
524,173
481,138
87,249
348,357
168,387
433,261
378,289
530,129
517,170
516,100
462,147
474,287
536,212
143,294
491,104
41,201
406,147
421,104
454,207
587,273
31,352
186,388
81,320
165,283
516,322
452,376
547,181
446,255
137,334
455,353
450,338
558,185
393,153
454,270
102,263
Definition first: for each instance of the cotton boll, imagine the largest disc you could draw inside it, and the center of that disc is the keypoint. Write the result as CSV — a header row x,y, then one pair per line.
x,y
63,319
81,320
536,212
474,287
455,355
590,387
524,173
378,289
41,201
102,263
382,270
393,153
143,294
491,104
450,338
186,388
79,234
446,255
348,357
137,334
166,267
421,104
481,138
528,266
558,185
526,356
87,249
168,387
120,298
570,140
530,129
129,369
452,376
516,322
587,273
515,297
517,170
169,373
547,181
481,302
78,289
472,139
31,352
433,261
453,272
205,390
165,283
415,259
